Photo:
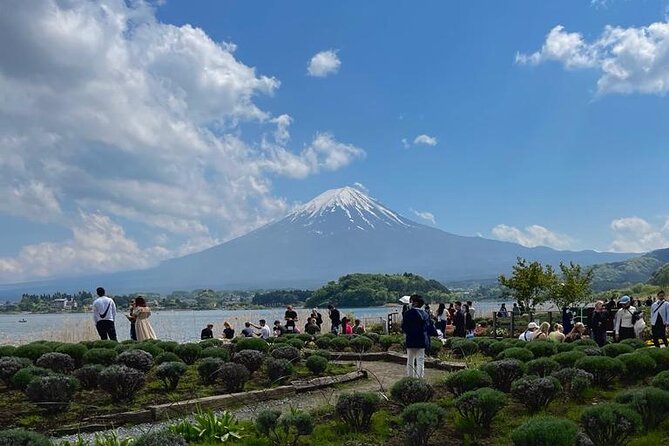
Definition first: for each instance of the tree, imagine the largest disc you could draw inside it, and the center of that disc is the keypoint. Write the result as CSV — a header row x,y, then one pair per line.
x,y
529,283
574,286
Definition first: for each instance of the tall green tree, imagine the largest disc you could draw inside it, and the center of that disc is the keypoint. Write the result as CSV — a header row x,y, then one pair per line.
x,y
529,283
573,287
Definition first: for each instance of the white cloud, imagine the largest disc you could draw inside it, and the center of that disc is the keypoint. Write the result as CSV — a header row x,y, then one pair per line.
x,y
361,187
426,140
630,60
405,143
123,116
634,234
532,236
427,216
324,63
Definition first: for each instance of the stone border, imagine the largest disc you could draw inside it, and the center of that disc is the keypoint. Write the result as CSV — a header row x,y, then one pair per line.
x,y
217,402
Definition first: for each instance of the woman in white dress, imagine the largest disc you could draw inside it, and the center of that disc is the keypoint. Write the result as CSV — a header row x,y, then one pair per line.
x,y
143,327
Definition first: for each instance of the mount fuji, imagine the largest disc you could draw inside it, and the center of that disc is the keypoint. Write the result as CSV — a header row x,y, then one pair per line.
x,y
339,232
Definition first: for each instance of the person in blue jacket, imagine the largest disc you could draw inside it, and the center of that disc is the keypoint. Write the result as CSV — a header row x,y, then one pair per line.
x,y
418,327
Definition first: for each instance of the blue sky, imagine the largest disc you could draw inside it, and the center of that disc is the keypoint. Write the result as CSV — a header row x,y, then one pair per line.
x,y
137,132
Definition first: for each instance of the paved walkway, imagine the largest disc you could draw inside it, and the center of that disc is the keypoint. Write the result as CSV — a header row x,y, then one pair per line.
x,y
382,375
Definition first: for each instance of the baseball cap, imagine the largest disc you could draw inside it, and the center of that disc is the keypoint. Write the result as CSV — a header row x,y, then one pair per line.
x,y
532,326
625,300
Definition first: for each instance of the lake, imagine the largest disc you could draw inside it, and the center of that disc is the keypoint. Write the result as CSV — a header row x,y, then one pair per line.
x,y
181,326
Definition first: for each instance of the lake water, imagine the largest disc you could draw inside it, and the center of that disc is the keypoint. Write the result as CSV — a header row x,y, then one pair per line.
x,y
178,326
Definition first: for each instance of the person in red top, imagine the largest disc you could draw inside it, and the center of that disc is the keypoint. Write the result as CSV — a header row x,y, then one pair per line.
x,y
346,326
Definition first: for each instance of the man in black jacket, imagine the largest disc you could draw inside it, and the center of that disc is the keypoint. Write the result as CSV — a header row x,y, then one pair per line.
x,y
335,318
460,330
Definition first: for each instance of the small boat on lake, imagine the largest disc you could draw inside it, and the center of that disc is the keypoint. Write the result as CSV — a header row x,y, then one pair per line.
x,y
22,321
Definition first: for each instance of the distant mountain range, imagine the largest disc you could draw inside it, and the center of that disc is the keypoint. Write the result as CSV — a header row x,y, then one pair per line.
x,y
339,232
652,267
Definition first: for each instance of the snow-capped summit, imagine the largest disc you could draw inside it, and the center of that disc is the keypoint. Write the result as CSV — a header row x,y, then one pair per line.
x,y
346,208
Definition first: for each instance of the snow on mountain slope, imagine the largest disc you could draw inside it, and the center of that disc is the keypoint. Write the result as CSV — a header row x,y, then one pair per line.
x,y
345,209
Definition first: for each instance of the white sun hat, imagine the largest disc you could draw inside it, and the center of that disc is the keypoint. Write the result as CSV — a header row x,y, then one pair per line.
x,y
405,300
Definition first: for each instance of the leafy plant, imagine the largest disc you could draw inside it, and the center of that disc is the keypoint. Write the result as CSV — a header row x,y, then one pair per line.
x,y
112,439
54,393
610,424
278,369
542,367
317,364
504,372
529,283
574,381
521,354
10,365
356,409
463,347
541,349
649,402
170,374
661,380
603,368
545,431
638,366
136,359
251,344
287,352
420,421
614,350
20,437
361,344
568,359
480,406
409,390
121,382
465,380
103,356
573,287
339,344
166,357
23,377
659,355
251,359
74,351
215,352
32,351
208,427
161,438
284,430
536,393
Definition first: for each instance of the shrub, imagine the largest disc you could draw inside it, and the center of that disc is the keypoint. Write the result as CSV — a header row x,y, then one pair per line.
x,y
136,359
206,343
568,359
74,351
161,438
603,368
104,344
102,356
296,343
659,355
32,351
635,343
88,376
52,392
584,343
650,403
170,373
465,380
521,354
215,352
10,365
305,337
420,421
324,353
7,350
356,409
122,348
589,351
487,346
545,431
542,367
463,347
373,336
166,357
323,342
361,344
208,369
56,362
251,344
565,347
637,366
387,340
536,393
233,376
251,359
574,381
409,390
286,352
278,369
480,406
121,382
22,378
614,350
610,424
284,430
339,344
661,380
504,372
541,349
148,347
317,364
20,437
188,352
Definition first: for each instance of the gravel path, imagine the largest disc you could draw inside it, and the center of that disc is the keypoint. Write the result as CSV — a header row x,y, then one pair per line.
x,y
382,375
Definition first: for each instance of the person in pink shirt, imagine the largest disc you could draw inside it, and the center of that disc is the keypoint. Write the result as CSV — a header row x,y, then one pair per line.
x,y
346,326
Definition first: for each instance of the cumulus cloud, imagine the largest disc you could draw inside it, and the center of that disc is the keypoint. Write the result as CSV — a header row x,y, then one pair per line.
x,y
531,236
630,60
427,216
634,234
324,63
426,140
107,111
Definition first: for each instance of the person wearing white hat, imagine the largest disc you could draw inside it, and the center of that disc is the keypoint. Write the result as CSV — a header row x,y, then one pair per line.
x,y
404,300
623,324
528,334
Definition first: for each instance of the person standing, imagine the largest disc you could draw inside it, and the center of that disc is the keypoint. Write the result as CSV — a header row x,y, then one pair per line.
x,y
469,321
451,314
623,324
132,319
659,320
104,315
142,324
598,323
418,328
442,317
335,318
459,321
472,310
207,332
503,312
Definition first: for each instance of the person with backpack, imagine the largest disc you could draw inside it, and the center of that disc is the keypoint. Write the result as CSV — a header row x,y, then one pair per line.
x,y
659,320
626,317
418,327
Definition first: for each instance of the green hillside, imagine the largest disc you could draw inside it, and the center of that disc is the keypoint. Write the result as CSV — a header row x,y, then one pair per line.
x,y
361,290
631,271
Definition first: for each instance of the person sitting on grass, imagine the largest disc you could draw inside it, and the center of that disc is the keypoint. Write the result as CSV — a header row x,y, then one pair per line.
x,y
576,333
279,329
228,331
528,334
557,335
265,332
207,332
542,333
357,328
312,327
346,326
247,331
